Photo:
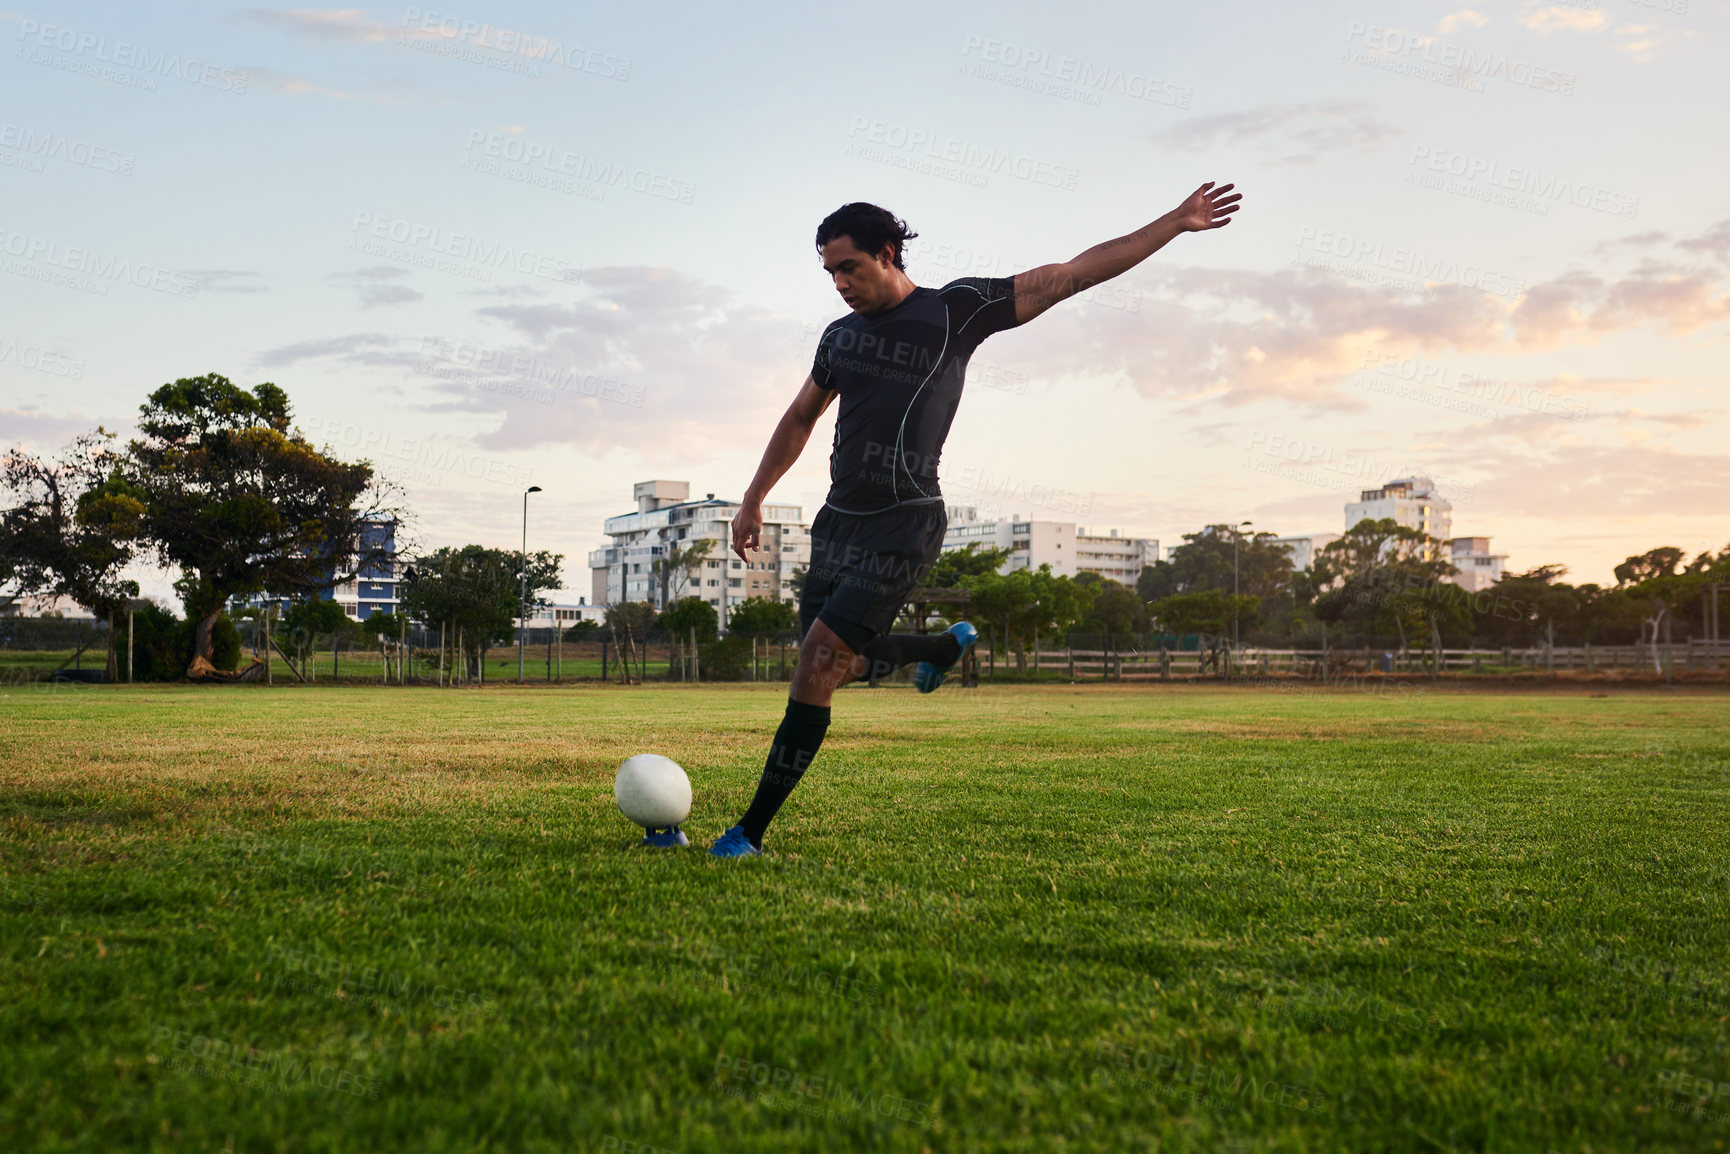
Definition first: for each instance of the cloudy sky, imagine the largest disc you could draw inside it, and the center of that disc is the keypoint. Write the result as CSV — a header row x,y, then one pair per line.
x,y
535,243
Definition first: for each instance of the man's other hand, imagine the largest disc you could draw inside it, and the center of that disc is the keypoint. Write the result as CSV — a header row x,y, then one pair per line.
x,y
1207,207
747,528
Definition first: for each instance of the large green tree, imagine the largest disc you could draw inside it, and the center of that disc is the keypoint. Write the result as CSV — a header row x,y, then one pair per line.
x,y
679,567
1024,604
1207,613
629,623
476,590
242,503
1114,608
955,566
761,617
1652,585
1387,580
688,613
70,526
1205,560
313,621
1156,582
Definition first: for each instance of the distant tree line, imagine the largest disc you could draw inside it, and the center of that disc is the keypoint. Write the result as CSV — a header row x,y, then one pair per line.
x,y
218,484
1383,583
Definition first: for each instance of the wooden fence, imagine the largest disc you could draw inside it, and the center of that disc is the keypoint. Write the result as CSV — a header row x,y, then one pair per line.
x,y
1157,664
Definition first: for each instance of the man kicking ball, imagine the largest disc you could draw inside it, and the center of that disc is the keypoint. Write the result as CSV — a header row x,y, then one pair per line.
x,y
897,364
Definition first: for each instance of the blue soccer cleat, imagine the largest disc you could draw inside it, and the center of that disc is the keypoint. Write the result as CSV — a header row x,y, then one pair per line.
x,y
670,838
734,843
926,676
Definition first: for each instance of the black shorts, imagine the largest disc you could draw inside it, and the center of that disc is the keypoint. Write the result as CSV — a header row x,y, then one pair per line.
x,y
863,567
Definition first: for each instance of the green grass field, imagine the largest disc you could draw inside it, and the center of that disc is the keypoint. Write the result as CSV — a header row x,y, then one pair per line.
x,y
1033,919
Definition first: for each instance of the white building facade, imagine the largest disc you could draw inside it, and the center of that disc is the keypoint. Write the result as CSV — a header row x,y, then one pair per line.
x,y
1305,547
1411,502
1478,567
667,519
564,611
1069,549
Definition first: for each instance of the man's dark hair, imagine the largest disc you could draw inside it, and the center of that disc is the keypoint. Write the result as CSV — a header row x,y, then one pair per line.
x,y
870,227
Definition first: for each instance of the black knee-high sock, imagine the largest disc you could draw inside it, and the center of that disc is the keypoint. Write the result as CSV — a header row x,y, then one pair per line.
x,y
884,655
796,743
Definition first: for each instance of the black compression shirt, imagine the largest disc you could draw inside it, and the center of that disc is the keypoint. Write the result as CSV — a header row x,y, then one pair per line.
x,y
899,374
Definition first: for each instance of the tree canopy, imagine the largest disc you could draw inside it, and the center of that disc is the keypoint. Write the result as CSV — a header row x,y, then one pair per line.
x,y
476,589
761,617
677,567
70,527
1205,561
241,502
690,613
955,566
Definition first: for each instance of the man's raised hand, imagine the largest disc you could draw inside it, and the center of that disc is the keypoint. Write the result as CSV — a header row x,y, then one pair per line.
x,y
747,528
1207,207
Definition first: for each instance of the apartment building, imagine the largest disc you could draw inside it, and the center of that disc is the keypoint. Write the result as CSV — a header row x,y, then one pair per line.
x,y
1478,567
1411,502
373,589
1069,549
1305,547
1414,503
667,519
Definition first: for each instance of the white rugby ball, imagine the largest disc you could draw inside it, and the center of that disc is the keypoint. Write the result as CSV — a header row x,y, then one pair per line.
x,y
653,791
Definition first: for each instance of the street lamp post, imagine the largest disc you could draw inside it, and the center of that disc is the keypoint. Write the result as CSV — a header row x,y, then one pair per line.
x,y
523,588
1235,536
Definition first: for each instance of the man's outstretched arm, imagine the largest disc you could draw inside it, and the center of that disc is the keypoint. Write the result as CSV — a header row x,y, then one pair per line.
x,y
1038,289
785,445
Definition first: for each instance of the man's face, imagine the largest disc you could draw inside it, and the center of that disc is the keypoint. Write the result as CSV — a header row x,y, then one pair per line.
x,y
867,283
